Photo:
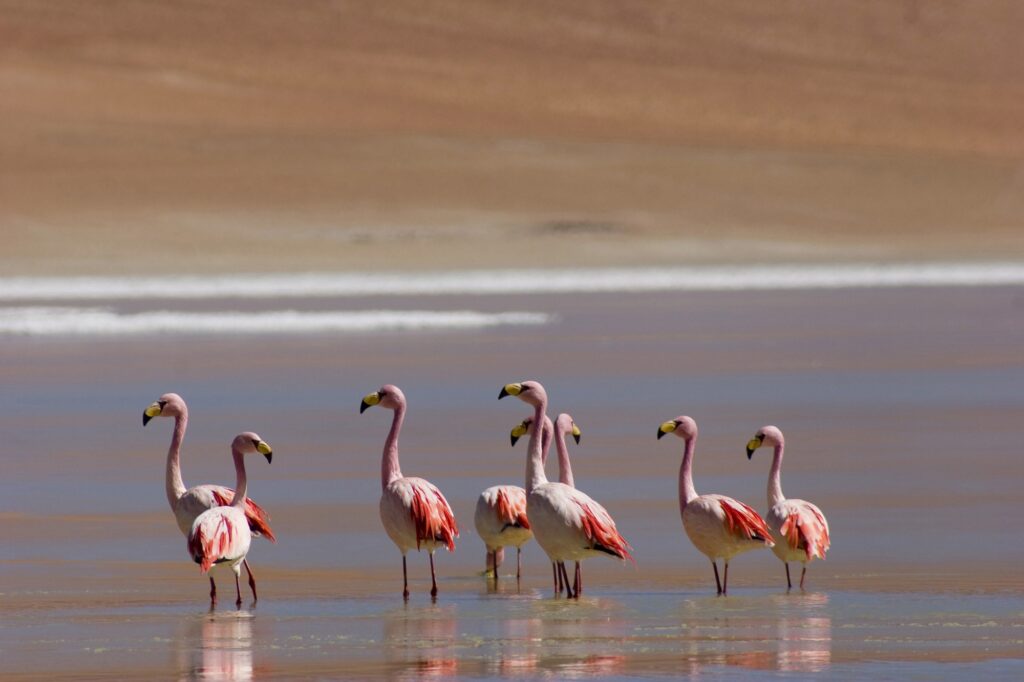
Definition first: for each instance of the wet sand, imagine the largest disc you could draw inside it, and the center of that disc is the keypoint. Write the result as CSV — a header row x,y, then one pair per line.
x,y
899,407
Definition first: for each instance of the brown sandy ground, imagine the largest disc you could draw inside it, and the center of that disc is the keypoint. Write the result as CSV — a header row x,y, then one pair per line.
x,y
149,136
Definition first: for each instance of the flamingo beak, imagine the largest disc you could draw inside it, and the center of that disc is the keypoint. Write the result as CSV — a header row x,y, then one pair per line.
x,y
510,389
153,410
265,450
667,427
518,432
369,401
576,434
753,444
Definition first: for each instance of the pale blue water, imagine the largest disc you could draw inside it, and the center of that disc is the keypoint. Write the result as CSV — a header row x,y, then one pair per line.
x,y
902,414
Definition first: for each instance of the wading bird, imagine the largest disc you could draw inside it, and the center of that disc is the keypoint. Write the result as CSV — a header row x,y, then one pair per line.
x,y
719,526
798,527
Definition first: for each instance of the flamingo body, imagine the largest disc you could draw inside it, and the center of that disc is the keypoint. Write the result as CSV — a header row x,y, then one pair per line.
x,y
799,529
570,526
219,536
202,498
721,527
500,517
416,516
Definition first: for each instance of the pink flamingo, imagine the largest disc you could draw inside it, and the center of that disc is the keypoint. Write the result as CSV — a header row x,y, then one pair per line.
x,y
564,426
718,526
187,505
413,510
799,528
567,523
220,536
500,517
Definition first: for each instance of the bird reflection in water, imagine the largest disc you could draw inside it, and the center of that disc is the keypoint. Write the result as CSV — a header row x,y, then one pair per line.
x,y
805,636
217,646
421,641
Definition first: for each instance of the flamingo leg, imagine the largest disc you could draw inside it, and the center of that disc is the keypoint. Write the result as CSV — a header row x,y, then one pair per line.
x,y
252,579
433,577
557,577
725,579
238,591
565,577
802,574
577,585
213,592
405,580
494,563
519,563
718,582
789,583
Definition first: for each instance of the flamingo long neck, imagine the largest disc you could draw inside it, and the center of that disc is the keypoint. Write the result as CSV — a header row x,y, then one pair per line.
x,y
564,468
545,445
172,481
241,483
389,470
535,475
775,478
687,494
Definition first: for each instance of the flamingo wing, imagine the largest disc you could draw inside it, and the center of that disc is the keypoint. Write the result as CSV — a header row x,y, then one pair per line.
x,y
217,535
431,514
510,504
258,518
743,522
805,528
599,527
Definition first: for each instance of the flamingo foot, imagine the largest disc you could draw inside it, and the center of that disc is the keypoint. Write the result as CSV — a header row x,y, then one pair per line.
x,y
238,591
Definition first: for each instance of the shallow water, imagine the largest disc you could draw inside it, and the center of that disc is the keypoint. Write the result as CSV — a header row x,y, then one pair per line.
x,y
900,406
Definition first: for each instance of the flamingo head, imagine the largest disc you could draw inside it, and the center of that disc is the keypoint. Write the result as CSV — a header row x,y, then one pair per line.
x,y
167,405
524,427
389,396
682,426
530,392
766,435
565,426
249,443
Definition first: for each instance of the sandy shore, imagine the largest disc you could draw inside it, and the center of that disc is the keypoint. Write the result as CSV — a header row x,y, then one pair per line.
x,y
153,138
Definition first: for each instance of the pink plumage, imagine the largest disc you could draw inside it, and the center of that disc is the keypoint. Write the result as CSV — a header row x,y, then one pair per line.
x,y
512,508
743,521
258,518
601,531
433,517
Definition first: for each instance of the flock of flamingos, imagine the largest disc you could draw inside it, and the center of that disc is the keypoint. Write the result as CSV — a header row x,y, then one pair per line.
x,y
569,525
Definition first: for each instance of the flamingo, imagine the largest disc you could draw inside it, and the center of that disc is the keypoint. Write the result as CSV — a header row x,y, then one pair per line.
x,y
568,524
719,526
413,510
564,426
189,504
220,536
798,527
500,516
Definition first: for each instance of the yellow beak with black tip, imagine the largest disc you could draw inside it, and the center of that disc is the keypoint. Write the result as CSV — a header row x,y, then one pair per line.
x,y
153,410
369,401
576,433
667,427
264,449
519,431
753,444
510,389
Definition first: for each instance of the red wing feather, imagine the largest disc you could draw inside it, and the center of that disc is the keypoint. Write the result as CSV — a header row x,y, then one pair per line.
x,y
806,529
512,509
433,517
600,530
745,522
207,549
259,519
